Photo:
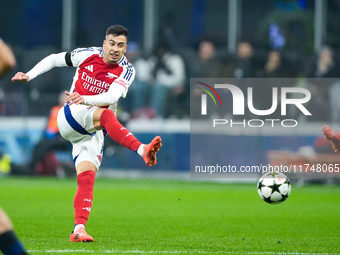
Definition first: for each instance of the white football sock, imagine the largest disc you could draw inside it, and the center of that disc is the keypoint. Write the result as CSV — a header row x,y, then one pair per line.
x,y
141,150
78,226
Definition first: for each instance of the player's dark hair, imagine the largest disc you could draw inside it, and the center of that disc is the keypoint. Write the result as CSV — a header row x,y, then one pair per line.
x,y
117,30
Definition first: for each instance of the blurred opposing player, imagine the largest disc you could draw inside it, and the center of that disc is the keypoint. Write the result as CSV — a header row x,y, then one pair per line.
x,y
103,75
7,58
9,243
333,136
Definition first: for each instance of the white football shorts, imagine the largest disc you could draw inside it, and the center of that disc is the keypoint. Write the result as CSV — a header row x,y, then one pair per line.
x,y
75,124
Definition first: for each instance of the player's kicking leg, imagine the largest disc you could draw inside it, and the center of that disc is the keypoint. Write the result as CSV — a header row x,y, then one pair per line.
x,y
104,118
333,136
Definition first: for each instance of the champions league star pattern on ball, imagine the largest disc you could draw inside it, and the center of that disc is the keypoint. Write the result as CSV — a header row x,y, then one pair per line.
x,y
274,187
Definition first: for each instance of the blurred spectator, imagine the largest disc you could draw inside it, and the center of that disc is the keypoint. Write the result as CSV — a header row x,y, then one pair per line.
x,y
334,100
324,66
44,160
275,66
205,63
244,64
141,86
168,71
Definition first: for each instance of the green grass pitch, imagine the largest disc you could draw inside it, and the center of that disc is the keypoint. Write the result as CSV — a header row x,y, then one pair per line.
x,y
149,216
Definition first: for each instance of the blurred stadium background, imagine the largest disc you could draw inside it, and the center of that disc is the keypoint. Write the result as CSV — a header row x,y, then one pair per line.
x,y
213,38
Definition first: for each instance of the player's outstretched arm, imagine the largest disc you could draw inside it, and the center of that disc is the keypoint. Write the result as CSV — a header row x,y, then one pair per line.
x,y
20,76
46,64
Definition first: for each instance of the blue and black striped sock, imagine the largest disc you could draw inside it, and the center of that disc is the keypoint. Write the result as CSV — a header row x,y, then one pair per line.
x,y
10,245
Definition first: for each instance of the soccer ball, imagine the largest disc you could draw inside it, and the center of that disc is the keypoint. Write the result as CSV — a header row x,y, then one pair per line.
x,y
274,187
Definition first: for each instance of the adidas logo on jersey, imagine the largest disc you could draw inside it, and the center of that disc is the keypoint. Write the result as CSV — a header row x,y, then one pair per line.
x,y
111,75
90,68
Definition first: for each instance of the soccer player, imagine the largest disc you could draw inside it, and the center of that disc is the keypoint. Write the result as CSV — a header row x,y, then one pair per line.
x,y
103,75
7,58
333,136
9,243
